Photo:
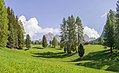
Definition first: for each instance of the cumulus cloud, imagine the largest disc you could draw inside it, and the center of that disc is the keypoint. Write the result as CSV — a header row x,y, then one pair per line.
x,y
92,33
32,27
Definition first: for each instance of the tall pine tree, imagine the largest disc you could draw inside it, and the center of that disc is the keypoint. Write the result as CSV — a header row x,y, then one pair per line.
x,y
16,24
109,31
117,28
3,24
71,34
28,41
20,35
11,42
63,41
79,31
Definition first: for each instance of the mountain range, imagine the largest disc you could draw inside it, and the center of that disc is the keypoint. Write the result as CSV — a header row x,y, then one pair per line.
x,y
50,36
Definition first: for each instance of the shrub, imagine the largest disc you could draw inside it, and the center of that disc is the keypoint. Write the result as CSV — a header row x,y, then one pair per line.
x,y
81,50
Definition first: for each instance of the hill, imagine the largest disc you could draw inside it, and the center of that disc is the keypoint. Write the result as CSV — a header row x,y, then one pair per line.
x,y
53,60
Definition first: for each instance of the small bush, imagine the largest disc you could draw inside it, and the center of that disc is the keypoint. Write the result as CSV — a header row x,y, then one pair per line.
x,y
81,50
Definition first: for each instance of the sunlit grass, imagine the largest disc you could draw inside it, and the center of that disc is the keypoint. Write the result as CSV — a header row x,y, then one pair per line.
x,y
50,60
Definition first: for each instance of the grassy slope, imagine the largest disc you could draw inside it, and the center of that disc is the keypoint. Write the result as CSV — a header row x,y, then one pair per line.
x,y
49,60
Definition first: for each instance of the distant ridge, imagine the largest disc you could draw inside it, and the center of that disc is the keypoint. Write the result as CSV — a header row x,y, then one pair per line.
x,y
50,36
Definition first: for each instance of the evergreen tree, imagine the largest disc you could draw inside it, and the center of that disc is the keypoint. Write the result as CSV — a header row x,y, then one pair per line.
x,y
109,31
44,41
81,50
79,31
54,42
63,41
11,42
3,24
117,28
16,31
100,41
20,35
71,34
28,41
16,25
37,42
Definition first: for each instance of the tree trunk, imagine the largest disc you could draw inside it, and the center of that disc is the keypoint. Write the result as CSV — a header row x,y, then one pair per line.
x,y
81,58
111,50
65,50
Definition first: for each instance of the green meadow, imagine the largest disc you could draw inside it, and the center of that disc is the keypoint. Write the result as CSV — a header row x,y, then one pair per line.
x,y
54,60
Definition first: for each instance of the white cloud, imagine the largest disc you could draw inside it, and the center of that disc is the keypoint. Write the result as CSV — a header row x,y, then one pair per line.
x,y
92,33
32,27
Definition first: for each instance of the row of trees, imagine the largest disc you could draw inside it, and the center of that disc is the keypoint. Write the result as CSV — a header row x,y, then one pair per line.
x,y
71,34
11,29
54,42
111,32
16,31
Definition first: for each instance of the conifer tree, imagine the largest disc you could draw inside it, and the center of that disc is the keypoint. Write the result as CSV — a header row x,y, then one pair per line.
x,y
44,41
20,35
71,34
3,24
117,27
63,41
28,41
11,42
79,31
81,50
54,42
15,25
109,31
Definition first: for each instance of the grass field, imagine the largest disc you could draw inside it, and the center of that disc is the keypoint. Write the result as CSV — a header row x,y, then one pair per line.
x,y
51,60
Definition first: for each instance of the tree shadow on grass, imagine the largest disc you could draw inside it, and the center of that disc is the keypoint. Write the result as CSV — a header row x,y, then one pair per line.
x,y
101,60
38,47
52,55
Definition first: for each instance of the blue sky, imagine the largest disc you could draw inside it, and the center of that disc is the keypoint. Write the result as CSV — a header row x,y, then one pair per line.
x,y
50,13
